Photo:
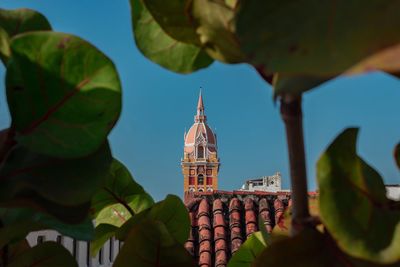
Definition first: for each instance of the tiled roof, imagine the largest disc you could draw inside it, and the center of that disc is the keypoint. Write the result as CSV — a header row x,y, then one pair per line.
x,y
221,221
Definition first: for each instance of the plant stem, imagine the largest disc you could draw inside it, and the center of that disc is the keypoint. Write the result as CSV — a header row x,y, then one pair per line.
x,y
291,113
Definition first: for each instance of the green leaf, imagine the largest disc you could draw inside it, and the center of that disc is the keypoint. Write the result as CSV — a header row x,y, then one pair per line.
x,y
315,38
61,187
295,84
103,233
215,23
119,197
18,222
397,155
353,203
64,94
248,251
13,22
172,16
160,48
149,243
4,46
308,249
171,211
48,254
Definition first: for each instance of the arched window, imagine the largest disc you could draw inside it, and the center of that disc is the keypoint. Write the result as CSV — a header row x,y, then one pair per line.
x,y
200,179
200,152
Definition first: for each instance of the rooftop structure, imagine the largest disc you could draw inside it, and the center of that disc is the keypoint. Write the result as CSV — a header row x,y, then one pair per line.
x,y
271,183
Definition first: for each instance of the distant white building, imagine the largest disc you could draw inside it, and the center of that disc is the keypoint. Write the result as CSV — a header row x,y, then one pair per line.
x,y
271,183
393,191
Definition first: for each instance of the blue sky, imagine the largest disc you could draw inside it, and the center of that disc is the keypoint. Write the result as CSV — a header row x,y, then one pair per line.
x,y
158,105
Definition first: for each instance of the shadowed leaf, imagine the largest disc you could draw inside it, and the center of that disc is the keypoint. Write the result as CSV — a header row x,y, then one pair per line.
x,y
48,254
61,187
160,48
18,222
103,233
313,37
149,243
119,197
295,84
362,220
13,22
248,251
171,211
64,94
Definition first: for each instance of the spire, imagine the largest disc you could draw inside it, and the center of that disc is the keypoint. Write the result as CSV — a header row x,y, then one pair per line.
x,y
200,105
200,116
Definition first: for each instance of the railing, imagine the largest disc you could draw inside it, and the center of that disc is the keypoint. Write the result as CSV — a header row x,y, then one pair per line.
x,y
79,249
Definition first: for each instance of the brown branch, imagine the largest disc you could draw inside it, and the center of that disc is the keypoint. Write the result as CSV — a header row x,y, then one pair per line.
x,y
291,113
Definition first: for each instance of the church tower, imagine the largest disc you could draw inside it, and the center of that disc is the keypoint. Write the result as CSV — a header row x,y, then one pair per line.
x,y
200,163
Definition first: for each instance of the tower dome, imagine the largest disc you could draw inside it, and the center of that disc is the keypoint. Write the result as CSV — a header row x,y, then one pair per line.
x,y
200,134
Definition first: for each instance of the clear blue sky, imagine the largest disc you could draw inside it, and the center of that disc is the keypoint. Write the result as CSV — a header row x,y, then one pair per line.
x,y
158,105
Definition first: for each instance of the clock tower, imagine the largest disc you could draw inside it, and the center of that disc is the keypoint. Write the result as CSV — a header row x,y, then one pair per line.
x,y
200,162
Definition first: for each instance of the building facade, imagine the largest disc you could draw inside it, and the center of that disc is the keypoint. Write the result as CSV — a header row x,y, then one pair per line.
x,y
200,162
272,183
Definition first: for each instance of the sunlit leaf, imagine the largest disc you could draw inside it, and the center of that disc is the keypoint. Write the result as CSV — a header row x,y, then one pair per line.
x,y
48,254
353,203
61,187
171,211
248,251
315,37
173,17
216,27
13,22
119,197
103,233
64,95
160,48
149,243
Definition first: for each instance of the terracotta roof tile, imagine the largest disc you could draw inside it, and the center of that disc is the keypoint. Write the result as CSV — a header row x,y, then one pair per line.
x,y
221,221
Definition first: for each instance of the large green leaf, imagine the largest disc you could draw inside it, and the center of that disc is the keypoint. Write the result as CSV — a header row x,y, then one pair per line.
x,y
18,222
248,251
159,47
216,27
103,233
48,254
315,37
13,22
295,84
173,17
304,250
61,187
119,197
149,243
64,94
353,203
171,211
